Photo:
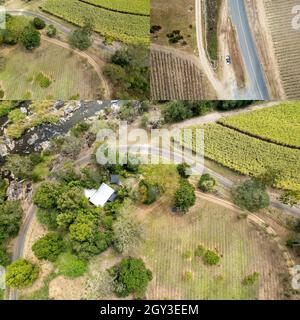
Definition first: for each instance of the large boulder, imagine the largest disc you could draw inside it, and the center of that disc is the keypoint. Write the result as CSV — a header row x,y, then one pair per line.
x,y
15,191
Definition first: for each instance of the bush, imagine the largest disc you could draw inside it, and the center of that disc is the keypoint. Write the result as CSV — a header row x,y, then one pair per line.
x,y
206,183
48,217
10,219
251,195
183,170
43,81
188,276
70,266
47,195
21,274
188,255
185,197
39,23
20,166
251,279
48,247
80,39
211,257
30,38
131,277
4,256
148,192
51,31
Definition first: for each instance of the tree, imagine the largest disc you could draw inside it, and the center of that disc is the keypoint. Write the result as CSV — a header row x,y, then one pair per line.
x,y
131,276
148,192
20,166
72,199
185,197
183,170
206,183
21,274
71,147
127,233
211,257
48,247
4,256
48,217
51,31
30,38
47,195
80,39
10,219
251,195
39,23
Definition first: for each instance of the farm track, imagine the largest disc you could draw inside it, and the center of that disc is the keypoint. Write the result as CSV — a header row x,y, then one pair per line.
x,y
286,43
176,75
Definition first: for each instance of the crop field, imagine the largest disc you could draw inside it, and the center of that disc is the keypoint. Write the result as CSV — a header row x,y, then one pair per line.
x,y
118,26
279,124
286,43
242,248
70,75
251,156
174,77
141,7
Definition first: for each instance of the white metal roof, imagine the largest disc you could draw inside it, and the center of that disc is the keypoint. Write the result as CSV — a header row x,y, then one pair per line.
x,y
101,196
89,192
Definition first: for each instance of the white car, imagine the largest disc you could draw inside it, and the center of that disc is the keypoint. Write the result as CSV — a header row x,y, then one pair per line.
x,y
228,59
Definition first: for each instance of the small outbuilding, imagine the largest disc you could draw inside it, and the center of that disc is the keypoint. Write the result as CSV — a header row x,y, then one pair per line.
x,y
101,196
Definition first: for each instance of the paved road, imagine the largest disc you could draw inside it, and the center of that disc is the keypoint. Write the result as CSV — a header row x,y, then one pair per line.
x,y
97,43
205,64
257,88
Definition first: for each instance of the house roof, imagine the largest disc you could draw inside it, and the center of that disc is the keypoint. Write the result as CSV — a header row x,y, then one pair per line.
x,y
101,196
115,178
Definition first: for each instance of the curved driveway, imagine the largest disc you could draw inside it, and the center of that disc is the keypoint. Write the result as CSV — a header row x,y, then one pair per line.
x,y
256,88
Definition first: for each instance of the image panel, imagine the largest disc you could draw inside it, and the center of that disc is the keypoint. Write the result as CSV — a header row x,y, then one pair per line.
x,y
225,49
226,228
74,49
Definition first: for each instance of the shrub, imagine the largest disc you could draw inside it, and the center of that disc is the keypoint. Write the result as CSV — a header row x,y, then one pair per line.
x,y
51,31
48,217
211,257
70,266
188,255
148,192
10,219
251,279
39,23
43,81
251,195
183,170
4,256
188,276
48,247
206,183
2,93
131,276
21,274
30,38
47,195
185,197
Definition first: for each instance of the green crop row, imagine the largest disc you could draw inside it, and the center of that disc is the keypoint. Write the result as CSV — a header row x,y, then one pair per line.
x,y
279,124
130,6
251,156
118,26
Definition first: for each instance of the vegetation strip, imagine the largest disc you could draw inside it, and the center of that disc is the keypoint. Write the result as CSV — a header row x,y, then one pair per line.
x,y
95,4
252,135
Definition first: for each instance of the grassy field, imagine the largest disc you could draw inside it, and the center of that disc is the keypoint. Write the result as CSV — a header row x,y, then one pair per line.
x,y
118,26
279,124
242,248
129,6
251,156
70,75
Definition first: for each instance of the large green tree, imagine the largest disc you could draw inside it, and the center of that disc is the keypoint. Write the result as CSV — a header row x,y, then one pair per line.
x,y
185,196
30,38
47,195
10,219
251,195
131,277
49,247
21,274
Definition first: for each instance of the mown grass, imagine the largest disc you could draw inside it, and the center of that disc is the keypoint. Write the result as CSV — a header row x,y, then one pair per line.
x,y
45,76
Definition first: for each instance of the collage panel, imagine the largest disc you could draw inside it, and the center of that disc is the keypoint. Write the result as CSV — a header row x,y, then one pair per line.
x,y
149,154
74,49
225,49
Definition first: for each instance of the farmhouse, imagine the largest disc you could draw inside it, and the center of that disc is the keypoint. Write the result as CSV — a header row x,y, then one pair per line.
x,y
99,197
